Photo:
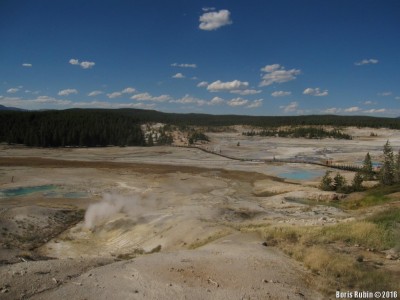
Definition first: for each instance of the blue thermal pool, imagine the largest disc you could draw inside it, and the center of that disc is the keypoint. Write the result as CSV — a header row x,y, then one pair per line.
x,y
47,191
301,174
22,191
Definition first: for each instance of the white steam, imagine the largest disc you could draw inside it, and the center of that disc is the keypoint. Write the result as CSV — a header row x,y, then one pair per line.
x,y
134,206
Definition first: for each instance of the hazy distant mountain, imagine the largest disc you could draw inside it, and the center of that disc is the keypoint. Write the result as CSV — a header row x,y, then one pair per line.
x,y
2,107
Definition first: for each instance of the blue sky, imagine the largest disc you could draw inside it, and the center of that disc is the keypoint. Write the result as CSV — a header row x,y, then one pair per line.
x,y
221,57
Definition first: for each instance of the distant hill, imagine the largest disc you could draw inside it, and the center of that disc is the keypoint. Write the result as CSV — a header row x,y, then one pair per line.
x,y
2,107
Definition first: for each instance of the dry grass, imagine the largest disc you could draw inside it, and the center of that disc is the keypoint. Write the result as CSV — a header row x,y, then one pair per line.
x,y
325,250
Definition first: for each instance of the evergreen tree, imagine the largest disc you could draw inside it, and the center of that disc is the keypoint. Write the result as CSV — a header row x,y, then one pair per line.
x,y
367,170
326,182
357,182
387,172
397,168
339,183
150,141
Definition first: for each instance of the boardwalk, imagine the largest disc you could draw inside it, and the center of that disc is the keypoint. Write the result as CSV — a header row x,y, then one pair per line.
x,y
328,164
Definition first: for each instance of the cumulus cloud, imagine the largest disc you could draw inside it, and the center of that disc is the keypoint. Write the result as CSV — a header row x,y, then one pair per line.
x,y
214,20
95,93
216,101
315,92
178,76
208,8
219,86
245,92
367,62
114,95
67,92
26,65
83,64
237,102
352,109
281,94
184,65
12,90
291,107
255,103
128,90
277,74
202,84
148,97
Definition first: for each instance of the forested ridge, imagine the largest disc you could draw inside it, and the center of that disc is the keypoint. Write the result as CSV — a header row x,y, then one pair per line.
x,y
70,128
121,127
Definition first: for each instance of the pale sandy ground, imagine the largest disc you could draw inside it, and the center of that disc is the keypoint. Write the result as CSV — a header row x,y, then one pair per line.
x,y
185,206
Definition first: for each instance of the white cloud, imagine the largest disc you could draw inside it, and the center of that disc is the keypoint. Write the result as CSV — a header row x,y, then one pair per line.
x,y
102,104
369,102
67,92
50,100
385,94
271,68
219,86
208,8
216,101
184,65
178,76
40,100
148,97
280,94
255,103
27,65
202,84
291,107
215,20
397,98
277,74
83,64
237,102
246,92
12,90
74,61
128,90
366,62
352,109
372,111
114,95
95,93
187,99
332,110
315,92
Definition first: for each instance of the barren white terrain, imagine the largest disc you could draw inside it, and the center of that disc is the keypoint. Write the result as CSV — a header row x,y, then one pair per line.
x,y
166,222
